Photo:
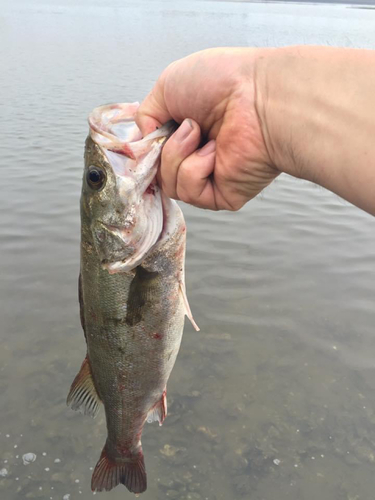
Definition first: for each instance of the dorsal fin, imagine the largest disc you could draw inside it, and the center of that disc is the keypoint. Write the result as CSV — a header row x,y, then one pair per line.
x,y
83,395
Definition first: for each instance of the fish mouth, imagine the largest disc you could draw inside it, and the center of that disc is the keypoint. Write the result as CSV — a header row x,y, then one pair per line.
x,y
123,240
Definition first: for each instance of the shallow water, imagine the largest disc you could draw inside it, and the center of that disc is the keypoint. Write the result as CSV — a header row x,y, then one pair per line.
x,y
274,398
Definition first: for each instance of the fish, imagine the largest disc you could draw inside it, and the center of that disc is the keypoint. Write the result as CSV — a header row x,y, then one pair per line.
x,y
132,292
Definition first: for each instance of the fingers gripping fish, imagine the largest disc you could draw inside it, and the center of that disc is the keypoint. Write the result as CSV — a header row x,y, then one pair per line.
x,y
131,290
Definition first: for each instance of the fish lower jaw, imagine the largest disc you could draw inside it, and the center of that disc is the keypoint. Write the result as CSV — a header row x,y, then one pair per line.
x,y
129,263
142,250
117,267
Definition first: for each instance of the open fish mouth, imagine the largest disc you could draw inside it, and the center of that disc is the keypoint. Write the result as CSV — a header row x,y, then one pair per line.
x,y
124,242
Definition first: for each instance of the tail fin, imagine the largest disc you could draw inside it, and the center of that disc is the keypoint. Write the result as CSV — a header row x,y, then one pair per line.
x,y
109,473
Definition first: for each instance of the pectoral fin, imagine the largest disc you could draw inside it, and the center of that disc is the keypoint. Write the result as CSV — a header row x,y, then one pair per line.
x,y
82,395
187,307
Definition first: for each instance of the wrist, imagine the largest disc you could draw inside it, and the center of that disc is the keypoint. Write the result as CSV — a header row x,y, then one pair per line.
x,y
281,104
316,111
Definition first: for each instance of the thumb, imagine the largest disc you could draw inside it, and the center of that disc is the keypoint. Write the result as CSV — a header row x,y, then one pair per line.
x,y
153,111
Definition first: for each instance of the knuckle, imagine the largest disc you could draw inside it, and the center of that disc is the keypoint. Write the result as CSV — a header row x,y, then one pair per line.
x,y
184,194
233,204
168,154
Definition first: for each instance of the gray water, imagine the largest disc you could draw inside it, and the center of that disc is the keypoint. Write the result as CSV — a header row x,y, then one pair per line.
x,y
275,397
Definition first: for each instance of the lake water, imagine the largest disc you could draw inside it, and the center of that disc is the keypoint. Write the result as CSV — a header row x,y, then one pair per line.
x,y
275,398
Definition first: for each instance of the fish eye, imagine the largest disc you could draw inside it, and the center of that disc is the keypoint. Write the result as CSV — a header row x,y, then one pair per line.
x,y
95,177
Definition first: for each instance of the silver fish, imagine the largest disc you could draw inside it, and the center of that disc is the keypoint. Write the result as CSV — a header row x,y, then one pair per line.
x,y
131,290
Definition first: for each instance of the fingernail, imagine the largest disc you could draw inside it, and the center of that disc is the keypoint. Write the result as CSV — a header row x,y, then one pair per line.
x,y
183,130
208,148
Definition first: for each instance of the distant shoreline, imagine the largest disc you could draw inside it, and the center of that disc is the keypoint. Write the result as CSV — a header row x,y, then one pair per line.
x,y
355,3
365,4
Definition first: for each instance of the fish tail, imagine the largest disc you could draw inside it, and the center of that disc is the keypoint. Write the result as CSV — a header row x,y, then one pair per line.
x,y
108,473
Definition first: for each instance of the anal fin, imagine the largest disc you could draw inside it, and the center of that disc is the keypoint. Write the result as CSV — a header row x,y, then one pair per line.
x,y
159,411
82,395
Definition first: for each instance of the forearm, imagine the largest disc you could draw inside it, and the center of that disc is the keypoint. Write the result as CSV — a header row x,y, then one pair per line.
x,y
317,112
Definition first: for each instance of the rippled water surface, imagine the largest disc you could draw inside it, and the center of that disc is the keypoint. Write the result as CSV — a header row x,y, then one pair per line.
x,y
275,397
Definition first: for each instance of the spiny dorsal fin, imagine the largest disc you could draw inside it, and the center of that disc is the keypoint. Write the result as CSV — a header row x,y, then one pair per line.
x,y
81,305
82,395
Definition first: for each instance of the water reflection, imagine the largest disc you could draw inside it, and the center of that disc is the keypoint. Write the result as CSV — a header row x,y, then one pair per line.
x,y
274,397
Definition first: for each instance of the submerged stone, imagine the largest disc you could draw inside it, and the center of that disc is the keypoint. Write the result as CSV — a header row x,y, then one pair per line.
x,y
28,458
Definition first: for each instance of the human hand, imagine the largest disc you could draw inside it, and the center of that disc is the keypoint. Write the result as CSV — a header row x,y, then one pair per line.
x,y
212,94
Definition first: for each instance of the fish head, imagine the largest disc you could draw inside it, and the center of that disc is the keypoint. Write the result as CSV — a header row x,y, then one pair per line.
x,y
121,202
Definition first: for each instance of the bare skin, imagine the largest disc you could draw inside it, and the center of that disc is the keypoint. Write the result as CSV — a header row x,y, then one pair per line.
x,y
306,111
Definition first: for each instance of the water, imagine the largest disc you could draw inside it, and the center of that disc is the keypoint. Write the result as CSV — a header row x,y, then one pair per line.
x,y
274,398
